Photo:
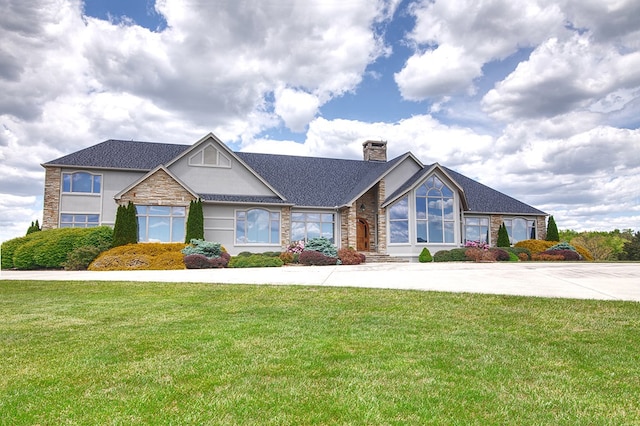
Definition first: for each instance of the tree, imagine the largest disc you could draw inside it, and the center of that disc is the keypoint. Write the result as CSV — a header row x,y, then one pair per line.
x,y
195,222
632,248
125,230
35,227
503,236
552,230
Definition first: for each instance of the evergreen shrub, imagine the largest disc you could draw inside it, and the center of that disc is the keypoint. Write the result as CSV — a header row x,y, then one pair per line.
x,y
195,221
552,230
205,248
80,258
125,229
425,256
535,246
50,248
503,236
321,245
147,256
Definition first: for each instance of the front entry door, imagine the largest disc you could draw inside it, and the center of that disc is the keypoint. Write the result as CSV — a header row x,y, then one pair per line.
x,y
362,235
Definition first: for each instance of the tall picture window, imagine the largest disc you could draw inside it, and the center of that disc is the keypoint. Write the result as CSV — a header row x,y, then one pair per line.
x,y
165,224
435,220
399,221
476,229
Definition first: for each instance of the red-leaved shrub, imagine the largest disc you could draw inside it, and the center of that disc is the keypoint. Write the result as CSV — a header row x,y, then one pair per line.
x,y
199,261
349,256
311,257
499,254
566,254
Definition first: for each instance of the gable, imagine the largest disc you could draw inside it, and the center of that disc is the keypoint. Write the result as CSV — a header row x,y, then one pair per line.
x,y
156,188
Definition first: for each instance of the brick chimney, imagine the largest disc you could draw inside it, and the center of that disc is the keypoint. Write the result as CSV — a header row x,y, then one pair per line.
x,y
375,150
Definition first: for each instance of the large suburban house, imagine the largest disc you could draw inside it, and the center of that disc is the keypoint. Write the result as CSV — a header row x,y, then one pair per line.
x,y
264,202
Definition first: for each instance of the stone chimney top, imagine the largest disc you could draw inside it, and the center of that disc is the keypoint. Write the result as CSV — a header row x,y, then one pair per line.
x,y
375,150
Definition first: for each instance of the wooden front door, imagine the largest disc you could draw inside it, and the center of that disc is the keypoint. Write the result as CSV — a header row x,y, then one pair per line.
x,y
362,235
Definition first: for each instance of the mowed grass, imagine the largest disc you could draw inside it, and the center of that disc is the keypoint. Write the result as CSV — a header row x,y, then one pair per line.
x,y
150,353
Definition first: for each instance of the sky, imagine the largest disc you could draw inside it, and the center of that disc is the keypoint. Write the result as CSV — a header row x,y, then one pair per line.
x,y
539,99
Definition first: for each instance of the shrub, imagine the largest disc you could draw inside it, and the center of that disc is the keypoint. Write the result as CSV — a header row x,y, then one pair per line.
x,y
546,257
196,261
552,230
524,257
479,255
562,246
518,251
503,236
50,248
80,258
500,255
321,245
125,230
585,253
312,257
195,221
425,256
535,246
199,261
286,257
255,261
566,254
296,247
631,248
150,256
205,248
348,256
442,256
35,227
513,257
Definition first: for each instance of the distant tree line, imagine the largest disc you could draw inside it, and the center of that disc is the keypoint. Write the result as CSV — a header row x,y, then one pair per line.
x,y
612,245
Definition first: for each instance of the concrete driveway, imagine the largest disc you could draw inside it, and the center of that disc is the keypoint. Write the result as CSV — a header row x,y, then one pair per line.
x,y
604,281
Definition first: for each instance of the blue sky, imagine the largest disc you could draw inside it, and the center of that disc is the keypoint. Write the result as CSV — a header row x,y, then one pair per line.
x,y
539,100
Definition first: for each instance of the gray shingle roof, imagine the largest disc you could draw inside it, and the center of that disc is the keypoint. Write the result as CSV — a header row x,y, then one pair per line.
x,y
316,182
118,154
303,181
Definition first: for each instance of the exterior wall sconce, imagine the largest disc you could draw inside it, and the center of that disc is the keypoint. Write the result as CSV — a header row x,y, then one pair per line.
x,y
362,207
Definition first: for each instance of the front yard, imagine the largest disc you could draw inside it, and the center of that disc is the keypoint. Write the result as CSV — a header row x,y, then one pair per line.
x,y
150,353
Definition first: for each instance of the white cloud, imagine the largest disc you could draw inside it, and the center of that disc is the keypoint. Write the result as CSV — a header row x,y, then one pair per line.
x,y
296,107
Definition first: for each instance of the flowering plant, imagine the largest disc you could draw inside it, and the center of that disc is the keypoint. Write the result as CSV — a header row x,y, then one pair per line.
x,y
296,247
477,244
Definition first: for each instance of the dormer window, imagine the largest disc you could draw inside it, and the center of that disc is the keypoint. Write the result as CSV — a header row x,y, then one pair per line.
x,y
209,156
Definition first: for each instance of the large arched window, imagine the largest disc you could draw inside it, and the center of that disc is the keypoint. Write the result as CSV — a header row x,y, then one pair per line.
x,y
435,219
520,229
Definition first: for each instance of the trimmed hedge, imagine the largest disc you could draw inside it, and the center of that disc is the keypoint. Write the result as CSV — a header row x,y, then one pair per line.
x,y
147,256
425,256
255,261
51,248
453,255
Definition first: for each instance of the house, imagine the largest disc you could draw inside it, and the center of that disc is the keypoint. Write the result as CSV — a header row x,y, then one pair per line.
x,y
263,202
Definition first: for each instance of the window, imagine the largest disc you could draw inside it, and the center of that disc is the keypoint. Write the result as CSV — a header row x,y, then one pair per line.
x,y
209,156
81,182
399,221
164,224
305,226
257,226
435,220
476,229
520,229
79,220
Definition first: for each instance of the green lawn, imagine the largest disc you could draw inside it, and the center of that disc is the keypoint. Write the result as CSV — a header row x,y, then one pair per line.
x,y
148,353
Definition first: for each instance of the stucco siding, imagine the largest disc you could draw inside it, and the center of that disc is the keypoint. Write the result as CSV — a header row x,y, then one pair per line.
x,y
236,180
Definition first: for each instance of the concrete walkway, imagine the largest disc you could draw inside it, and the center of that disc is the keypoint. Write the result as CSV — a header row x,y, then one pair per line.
x,y
604,281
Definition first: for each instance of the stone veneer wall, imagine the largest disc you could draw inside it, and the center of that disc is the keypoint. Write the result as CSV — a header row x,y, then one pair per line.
x,y
285,227
158,189
375,217
494,224
382,219
541,228
51,208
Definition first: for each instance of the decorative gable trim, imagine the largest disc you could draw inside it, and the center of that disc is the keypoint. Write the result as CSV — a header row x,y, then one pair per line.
x,y
212,140
209,156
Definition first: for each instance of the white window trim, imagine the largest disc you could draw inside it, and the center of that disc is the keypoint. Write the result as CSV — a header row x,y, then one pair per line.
x,y
235,228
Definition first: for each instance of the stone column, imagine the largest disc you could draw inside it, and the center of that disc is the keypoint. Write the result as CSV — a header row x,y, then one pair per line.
x,y
51,208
